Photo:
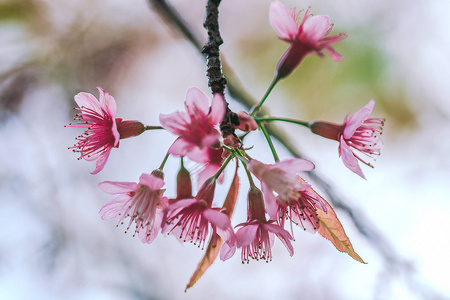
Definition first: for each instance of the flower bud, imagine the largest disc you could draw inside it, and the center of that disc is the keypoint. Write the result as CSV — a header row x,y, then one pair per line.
x,y
129,129
246,123
184,184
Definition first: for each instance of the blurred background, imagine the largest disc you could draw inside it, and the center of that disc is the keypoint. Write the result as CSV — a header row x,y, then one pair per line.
x,y
53,244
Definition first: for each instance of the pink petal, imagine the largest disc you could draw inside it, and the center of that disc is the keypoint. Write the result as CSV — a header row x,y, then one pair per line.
x,y
180,147
143,232
112,187
333,54
218,109
101,161
282,21
226,251
358,119
114,208
198,154
152,182
282,234
211,139
293,166
217,218
271,201
246,235
108,103
207,172
349,159
257,168
315,28
197,103
89,101
175,122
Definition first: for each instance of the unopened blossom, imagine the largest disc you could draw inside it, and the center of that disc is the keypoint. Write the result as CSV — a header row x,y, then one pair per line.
x,y
189,219
142,202
309,37
196,127
287,195
256,236
246,122
103,129
358,132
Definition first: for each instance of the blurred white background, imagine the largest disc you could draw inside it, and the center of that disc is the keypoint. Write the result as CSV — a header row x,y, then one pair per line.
x,y
54,244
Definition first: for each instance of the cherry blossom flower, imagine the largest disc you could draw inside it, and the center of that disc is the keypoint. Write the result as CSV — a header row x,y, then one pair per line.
x,y
294,198
256,236
195,127
307,38
142,202
358,132
190,219
103,129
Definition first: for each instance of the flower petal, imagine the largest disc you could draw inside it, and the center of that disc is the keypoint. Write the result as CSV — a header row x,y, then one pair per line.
x,y
271,201
294,165
88,100
151,181
175,122
108,103
197,103
218,109
246,235
114,208
112,187
349,159
282,234
227,251
358,119
315,28
282,21
181,147
101,161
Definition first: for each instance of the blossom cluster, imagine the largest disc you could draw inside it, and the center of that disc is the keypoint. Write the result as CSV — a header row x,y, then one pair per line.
x,y
280,198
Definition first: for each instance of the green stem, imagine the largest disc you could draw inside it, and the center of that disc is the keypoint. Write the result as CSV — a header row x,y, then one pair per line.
x,y
257,108
164,161
249,175
152,127
298,122
224,165
269,141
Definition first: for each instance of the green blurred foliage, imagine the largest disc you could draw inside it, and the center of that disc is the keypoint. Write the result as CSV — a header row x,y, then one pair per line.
x,y
17,10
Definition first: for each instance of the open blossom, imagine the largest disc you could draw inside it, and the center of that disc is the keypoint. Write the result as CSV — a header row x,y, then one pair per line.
x,y
358,132
294,198
256,236
195,127
142,202
103,129
189,219
307,38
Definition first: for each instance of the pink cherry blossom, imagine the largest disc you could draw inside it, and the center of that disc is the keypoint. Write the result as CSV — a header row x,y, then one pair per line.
x,y
142,202
358,132
190,219
195,127
287,195
307,38
256,236
103,129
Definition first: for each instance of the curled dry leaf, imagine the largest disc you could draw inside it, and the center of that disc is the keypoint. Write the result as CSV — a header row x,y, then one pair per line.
x,y
331,229
213,248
